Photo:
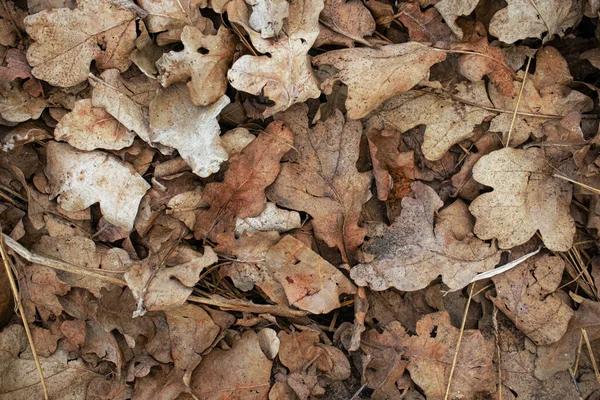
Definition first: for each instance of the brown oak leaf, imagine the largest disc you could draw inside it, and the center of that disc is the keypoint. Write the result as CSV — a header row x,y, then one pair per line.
x,y
242,193
323,181
526,198
349,18
420,246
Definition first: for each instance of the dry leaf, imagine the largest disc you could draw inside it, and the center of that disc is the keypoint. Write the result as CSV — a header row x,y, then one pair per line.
x,y
375,75
349,18
324,181
80,179
267,16
424,26
285,75
236,139
17,67
16,105
242,194
89,128
269,342
310,282
447,121
271,219
66,41
203,61
193,131
526,198
452,9
156,287
525,295
246,377
523,19
418,247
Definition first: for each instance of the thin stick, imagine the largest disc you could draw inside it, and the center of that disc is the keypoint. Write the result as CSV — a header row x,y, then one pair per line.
x,y
242,305
578,354
460,335
15,292
512,123
359,391
583,185
497,340
592,358
574,380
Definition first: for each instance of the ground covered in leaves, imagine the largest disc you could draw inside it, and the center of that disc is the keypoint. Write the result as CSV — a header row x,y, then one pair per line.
x,y
303,199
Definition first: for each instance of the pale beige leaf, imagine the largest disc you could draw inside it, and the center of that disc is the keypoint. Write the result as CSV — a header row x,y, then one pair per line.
x,y
271,219
16,105
526,198
452,9
375,75
80,179
419,247
310,282
203,61
88,128
523,19
236,139
166,15
66,41
267,16
191,130
447,121
285,75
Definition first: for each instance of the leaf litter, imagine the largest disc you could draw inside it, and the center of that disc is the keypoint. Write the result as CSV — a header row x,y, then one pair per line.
x,y
299,199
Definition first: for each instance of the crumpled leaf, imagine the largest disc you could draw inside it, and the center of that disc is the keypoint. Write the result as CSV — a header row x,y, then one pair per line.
x,y
523,19
16,105
349,18
424,26
526,198
284,76
193,131
418,247
156,287
447,121
452,9
310,282
272,218
66,41
203,61
40,288
88,128
525,295
17,67
241,193
66,377
375,75
247,375
80,179
267,16
324,181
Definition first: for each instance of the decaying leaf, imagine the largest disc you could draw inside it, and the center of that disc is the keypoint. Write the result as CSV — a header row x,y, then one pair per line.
x,y
525,295
324,181
66,41
420,246
375,75
448,121
526,198
349,18
203,61
523,19
247,375
191,130
156,287
271,218
242,193
16,105
452,9
267,16
310,282
423,26
89,128
285,75
80,179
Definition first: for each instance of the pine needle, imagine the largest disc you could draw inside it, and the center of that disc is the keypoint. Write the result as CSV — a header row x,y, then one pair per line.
x,y
17,297
591,353
460,335
512,123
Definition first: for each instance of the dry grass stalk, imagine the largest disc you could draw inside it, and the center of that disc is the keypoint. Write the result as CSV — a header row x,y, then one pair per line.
x,y
591,353
512,122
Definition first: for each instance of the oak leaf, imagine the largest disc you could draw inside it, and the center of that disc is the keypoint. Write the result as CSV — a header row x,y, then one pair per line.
x,y
452,9
241,194
418,247
310,283
522,19
203,61
349,18
66,41
80,179
16,105
323,181
423,26
193,131
88,128
392,69
526,198
447,121
525,295
267,16
283,73
272,218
